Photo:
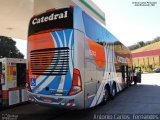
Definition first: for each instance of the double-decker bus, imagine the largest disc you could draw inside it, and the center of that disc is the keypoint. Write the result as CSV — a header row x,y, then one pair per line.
x,y
74,62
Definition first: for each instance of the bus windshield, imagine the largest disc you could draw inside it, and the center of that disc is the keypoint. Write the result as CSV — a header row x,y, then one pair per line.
x,y
51,20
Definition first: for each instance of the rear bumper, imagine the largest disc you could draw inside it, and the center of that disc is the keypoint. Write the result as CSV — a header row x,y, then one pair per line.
x,y
68,102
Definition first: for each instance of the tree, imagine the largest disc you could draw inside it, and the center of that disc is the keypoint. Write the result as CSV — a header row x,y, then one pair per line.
x,y
8,48
157,39
141,43
133,47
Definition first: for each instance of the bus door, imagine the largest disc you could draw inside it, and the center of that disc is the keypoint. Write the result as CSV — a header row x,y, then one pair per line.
x,y
0,85
138,72
124,70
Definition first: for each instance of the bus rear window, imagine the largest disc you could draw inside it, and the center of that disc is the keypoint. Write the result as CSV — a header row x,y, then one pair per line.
x,y
57,19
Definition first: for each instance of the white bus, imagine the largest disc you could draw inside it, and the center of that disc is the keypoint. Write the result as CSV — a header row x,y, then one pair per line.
x,y
74,62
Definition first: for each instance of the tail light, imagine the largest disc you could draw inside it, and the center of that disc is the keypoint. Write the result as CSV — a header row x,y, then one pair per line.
x,y
71,6
27,81
76,83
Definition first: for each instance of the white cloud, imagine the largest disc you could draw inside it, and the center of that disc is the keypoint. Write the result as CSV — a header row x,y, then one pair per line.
x,y
22,46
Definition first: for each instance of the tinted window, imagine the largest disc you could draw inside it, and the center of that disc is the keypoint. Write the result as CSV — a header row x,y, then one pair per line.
x,y
95,31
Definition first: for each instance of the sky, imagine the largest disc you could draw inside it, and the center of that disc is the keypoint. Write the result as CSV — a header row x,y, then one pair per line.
x,y
127,22
22,46
130,23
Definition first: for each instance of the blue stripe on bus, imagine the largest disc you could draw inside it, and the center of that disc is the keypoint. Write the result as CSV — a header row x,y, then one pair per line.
x,y
53,85
61,35
68,82
56,39
67,34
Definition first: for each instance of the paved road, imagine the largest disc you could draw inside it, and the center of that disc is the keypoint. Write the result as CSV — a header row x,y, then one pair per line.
x,y
140,99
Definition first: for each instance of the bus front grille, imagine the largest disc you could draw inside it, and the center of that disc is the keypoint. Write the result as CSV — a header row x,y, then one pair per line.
x,y
51,61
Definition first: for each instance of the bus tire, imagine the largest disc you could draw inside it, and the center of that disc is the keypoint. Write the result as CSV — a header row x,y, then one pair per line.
x,y
106,96
114,91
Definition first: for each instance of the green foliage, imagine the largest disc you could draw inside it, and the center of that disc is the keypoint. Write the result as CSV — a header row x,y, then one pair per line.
x,y
146,68
142,67
8,48
142,44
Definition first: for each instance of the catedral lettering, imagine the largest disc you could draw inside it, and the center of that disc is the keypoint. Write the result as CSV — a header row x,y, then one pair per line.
x,y
50,18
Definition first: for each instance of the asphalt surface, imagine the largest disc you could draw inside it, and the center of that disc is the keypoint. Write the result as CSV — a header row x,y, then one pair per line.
x,y
143,99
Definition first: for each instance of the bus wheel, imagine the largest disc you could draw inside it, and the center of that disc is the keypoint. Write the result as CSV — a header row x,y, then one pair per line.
x,y
114,91
106,95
